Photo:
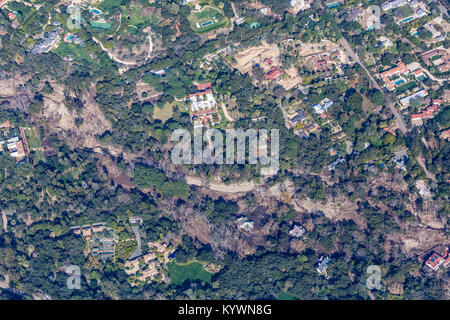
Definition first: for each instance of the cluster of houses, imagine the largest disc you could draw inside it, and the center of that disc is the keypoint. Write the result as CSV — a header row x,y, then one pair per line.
x,y
49,42
203,107
438,57
418,9
427,113
100,239
148,266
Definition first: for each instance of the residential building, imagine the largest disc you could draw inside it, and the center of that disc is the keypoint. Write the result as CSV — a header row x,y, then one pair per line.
x,y
297,231
203,106
245,225
427,113
5,124
393,4
405,102
323,264
12,15
424,191
332,166
322,63
435,261
438,57
323,106
385,42
48,43
354,14
239,21
396,71
298,118
273,74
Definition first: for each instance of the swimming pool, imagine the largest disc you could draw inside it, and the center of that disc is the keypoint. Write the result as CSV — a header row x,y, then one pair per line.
x,y
207,23
400,81
407,19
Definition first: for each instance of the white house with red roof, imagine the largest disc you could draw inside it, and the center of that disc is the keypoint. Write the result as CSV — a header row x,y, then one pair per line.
x,y
435,261
203,106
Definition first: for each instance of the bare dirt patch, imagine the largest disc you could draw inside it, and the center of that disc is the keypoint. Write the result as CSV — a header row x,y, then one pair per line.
x,y
246,58
62,120
291,78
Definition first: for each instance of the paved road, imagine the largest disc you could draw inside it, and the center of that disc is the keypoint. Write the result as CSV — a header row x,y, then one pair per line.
x,y
400,122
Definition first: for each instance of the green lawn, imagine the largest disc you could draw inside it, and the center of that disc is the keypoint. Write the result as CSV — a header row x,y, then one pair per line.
x,y
207,14
67,49
405,87
190,271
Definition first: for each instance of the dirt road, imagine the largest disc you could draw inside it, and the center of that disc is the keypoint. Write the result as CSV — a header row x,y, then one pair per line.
x,y
221,187
111,56
226,114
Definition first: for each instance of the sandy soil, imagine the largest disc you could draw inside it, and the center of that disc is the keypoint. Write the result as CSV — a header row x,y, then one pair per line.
x,y
221,187
248,57
292,78
307,49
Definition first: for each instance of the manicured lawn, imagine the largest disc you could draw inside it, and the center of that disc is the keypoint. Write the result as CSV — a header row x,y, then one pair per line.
x,y
66,49
204,17
109,4
190,271
405,87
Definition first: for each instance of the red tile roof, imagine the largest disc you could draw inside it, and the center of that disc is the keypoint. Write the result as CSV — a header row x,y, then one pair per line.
x,y
20,150
435,260
204,86
273,73
5,124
